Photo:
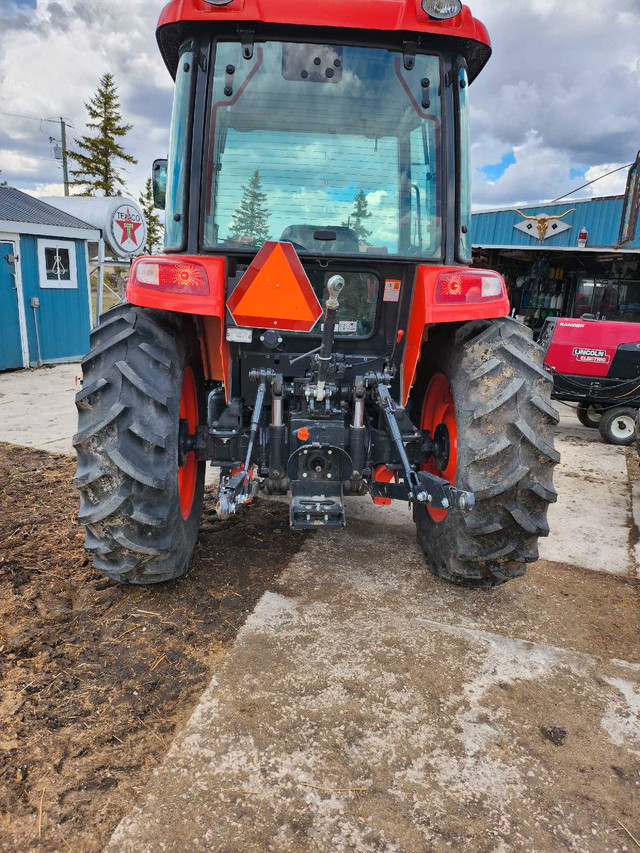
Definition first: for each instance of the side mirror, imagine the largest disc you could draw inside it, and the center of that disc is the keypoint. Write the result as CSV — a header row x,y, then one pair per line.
x,y
159,181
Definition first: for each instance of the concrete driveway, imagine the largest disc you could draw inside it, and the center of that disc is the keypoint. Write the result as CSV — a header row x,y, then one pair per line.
x,y
37,407
368,706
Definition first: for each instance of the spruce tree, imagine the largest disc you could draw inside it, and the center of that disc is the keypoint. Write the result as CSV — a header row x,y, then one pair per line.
x,y
251,217
357,219
98,154
154,226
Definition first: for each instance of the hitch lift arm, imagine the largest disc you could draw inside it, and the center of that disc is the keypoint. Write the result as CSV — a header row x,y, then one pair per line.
x,y
418,486
237,489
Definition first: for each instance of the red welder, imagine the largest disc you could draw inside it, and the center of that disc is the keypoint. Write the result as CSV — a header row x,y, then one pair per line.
x,y
596,363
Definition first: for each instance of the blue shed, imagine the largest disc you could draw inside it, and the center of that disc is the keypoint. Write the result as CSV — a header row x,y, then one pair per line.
x,y
45,295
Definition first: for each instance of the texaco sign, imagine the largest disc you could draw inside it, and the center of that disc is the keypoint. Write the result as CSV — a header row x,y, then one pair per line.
x,y
128,230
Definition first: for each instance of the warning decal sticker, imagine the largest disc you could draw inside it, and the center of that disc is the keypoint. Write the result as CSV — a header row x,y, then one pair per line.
x,y
392,290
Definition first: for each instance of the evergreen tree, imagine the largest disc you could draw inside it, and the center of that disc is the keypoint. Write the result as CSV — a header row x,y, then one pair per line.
x,y
3,183
154,226
251,217
97,172
357,219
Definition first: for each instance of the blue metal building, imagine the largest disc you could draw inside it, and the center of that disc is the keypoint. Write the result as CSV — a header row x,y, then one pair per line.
x,y
600,217
45,304
565,259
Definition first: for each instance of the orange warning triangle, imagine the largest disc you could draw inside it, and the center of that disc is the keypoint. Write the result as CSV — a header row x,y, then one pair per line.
x,y
275,292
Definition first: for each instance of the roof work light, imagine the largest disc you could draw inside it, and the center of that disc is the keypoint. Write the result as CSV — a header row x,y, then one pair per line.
x,y
442,9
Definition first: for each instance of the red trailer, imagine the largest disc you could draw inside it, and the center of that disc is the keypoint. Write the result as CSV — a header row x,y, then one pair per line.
x,y
314,327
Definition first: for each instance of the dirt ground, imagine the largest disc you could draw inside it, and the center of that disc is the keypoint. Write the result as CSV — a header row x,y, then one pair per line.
x,y
95,677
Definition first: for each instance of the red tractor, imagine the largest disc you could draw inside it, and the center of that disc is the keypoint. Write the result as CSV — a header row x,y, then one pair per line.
x,y
314,327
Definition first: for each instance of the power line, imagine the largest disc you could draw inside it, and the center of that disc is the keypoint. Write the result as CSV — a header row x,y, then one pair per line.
x,y
63,132
31,118
36,118
34,157
619,169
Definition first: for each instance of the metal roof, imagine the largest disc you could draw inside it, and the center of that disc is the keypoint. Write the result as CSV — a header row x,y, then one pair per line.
x,y
16,207
600,216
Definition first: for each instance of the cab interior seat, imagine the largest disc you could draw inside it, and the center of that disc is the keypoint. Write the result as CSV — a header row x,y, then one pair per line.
x,y
323,239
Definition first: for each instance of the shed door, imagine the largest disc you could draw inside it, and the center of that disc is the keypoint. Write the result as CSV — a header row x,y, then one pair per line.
x,y
10,343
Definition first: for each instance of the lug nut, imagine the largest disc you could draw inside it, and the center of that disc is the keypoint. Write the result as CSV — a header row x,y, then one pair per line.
x,y
423,497
445,503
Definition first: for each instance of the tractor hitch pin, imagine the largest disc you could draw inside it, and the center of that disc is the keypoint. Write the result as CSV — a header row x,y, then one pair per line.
x,y
334,286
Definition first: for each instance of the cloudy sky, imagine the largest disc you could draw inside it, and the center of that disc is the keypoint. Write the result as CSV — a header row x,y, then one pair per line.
x,y
558,105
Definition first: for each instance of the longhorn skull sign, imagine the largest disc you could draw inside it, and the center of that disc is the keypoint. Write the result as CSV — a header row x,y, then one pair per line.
x,y
543,221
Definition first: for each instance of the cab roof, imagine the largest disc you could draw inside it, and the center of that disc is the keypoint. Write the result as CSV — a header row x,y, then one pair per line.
x,y
405,18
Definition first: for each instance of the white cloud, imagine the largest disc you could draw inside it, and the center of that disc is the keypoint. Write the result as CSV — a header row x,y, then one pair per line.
x,y
611,184
568,70
11,161
536,174
45,190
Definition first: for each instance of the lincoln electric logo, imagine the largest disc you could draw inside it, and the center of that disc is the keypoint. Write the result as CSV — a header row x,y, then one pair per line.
x,y
128,222
594,356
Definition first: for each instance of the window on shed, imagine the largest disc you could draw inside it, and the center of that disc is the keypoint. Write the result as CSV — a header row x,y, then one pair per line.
x,y
57,264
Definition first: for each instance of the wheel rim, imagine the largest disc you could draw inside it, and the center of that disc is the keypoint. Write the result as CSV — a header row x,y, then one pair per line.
x,y
438,413
188,473
591,414
623,427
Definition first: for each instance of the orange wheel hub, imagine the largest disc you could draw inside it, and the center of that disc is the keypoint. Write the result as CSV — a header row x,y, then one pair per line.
x,y
439,419
188,473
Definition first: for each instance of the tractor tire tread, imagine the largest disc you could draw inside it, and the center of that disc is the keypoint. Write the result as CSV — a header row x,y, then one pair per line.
x,y
506,454
127,447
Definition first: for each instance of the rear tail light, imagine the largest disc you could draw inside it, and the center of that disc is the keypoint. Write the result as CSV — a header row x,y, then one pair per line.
x,y
470,286
170,275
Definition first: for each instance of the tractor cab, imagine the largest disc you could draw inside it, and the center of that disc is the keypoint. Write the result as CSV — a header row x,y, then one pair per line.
x,y
313,327
346,142
350,145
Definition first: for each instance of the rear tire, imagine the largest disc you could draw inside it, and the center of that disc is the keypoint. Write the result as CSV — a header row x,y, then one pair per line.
x,y
618,426
588,416
141,516
505,453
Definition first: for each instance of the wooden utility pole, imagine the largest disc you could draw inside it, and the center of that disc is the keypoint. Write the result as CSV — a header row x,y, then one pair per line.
x,y
65,172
